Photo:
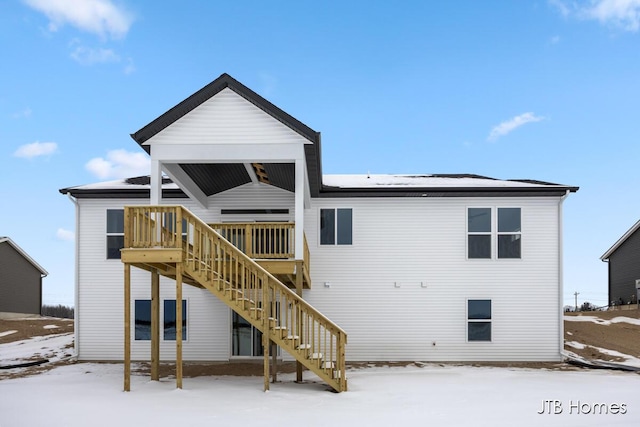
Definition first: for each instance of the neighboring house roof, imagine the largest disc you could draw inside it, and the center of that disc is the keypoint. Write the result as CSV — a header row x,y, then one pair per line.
x,y
438,185
621,240
24,254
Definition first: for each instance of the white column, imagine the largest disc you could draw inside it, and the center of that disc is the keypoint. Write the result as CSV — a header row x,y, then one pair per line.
x,y
156,183
299,207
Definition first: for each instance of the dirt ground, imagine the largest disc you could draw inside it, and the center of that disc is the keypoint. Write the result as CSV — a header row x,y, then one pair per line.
x,y
32,327
622,337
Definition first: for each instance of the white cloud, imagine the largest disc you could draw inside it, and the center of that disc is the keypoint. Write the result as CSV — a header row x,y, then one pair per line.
x,y
99,17
119,164
555,40
24,114
130,67
66,235
623,14
36,149
512,124
89,56
561,6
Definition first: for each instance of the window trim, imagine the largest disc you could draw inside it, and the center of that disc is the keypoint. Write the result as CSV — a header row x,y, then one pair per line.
x,y
494,233
489,320
336,226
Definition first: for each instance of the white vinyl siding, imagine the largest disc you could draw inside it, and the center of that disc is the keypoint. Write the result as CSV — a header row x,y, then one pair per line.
x,y
227,118
401,293
100,297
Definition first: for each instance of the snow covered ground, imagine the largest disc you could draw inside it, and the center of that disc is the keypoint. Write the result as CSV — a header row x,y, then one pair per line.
x,y
89,394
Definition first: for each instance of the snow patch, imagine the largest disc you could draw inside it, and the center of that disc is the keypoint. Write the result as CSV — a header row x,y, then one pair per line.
x,y
5,333
599,321
50,327
52,347
575,344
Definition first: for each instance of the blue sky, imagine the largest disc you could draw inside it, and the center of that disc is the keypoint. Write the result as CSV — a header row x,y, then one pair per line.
x,y
544,90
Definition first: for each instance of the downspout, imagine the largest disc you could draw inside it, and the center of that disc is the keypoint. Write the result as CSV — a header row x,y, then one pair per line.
x,y
560,275
76,308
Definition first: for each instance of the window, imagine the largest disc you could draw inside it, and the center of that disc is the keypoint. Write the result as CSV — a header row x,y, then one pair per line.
x,y
480,235
336,226
479,229
142,315
509,233
479,320
170,319
142,318
115,232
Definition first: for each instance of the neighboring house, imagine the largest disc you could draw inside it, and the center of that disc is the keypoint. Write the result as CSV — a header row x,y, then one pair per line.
x,y
411,267
624,267
20,280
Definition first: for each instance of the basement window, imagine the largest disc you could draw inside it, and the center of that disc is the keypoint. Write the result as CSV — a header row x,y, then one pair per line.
x,y
170,320
115,232
142,316
479,320
336,226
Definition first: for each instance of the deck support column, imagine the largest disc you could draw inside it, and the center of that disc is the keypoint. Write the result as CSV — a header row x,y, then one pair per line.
x,y
127,327
155,325
274,362
299,282
266,341
179,325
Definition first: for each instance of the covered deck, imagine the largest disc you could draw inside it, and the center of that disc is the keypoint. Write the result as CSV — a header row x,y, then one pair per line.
x,y
272,246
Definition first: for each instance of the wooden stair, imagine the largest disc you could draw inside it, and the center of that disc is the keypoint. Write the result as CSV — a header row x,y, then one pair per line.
x,y
213,263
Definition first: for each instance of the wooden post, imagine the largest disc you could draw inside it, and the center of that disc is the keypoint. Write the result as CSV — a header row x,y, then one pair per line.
x,y
342,341
274,361
179,325
155,325
266,314
248,249
127,327
299,282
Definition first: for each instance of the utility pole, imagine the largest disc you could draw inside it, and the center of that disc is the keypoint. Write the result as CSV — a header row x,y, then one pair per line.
x,y
575,294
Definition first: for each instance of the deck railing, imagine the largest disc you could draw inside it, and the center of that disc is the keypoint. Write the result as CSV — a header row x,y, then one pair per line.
x,y
260,240
251,291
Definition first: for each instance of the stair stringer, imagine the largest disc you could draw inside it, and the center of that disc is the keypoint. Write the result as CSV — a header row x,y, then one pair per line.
x,y
238,281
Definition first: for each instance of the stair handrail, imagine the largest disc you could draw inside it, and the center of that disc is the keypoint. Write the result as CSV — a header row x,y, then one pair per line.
x,y
228,245
207,254
166,238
